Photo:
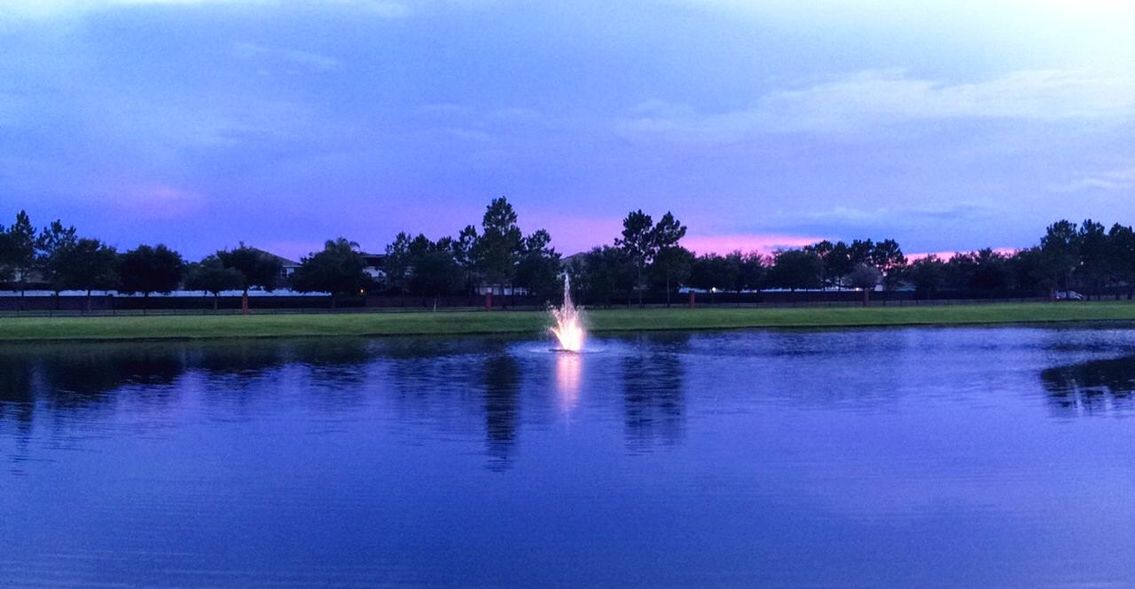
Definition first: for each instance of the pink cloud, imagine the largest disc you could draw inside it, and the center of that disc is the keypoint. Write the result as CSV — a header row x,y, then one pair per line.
x,y
158,201
946,255
763,242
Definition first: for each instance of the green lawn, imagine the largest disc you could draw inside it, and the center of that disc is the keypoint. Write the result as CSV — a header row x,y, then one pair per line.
x,y
474,322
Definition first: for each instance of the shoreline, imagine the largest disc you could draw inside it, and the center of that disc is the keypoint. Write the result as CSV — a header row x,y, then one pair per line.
x,y
460,323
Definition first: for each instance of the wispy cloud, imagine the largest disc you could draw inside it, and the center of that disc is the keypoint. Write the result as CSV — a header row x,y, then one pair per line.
x,y
1112,180
157,202
32,10
758,242
898,215
259,53
867,99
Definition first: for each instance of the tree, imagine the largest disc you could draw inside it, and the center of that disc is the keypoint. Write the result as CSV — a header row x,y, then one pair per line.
x,y
88,265
148,270
1027,272
795,269
1095,260
20,249
638,245
212,277
669,260
52,240
928,275
859,252
823,250
51,244
538,269
398,261
838,263
752,268
865,277
603,273
436,272
1121,252
496,251
888,259
714,272
338,269
1060,249
984,270
257,269
671,267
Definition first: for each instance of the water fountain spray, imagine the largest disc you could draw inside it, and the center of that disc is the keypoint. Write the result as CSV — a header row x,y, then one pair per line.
x,y
569,325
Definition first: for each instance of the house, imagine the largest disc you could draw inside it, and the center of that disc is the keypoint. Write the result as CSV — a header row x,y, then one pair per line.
x,y
287,267
376,266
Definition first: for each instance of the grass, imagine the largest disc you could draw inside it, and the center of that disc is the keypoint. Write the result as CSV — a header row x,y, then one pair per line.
x,y
481,322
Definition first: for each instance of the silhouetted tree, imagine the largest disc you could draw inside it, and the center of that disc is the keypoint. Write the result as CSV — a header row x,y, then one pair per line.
x,y
1121,253
51,242
212,277
433,269
148,270
638,246
667,258
603,273
538,268
257,269
87,264
865,277
338,269
794,270
927,274
1060,249
714,272
496,251
671,267
1095,264
19,250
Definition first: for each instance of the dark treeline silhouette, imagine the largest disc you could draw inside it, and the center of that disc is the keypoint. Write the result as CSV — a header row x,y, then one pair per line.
x,y
645,263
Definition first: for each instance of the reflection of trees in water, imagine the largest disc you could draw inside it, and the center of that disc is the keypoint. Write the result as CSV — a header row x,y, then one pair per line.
x,y
502,400
473,384
445,383
84,376
237,358
653,399
1091,388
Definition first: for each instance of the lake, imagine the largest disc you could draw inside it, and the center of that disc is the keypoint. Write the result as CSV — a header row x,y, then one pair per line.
x,y
979,457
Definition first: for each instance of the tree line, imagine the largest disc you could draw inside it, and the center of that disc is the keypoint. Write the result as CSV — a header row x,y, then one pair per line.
x,y
647,258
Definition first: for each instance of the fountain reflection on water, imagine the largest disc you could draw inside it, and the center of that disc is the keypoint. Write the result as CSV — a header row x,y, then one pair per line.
x,y
569,323
567,381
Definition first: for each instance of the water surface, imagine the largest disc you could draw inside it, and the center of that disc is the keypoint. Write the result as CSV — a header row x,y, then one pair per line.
x,y
865,458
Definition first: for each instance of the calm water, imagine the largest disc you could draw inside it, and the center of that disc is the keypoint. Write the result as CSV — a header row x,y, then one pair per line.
x,y
896,457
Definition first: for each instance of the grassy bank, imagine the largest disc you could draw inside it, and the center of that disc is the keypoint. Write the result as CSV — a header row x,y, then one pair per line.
x,y
479,322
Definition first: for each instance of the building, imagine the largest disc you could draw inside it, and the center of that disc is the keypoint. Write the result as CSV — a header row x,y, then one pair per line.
x,y
376,266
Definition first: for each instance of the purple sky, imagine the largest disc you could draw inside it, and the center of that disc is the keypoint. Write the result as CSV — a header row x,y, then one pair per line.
x,y
944,125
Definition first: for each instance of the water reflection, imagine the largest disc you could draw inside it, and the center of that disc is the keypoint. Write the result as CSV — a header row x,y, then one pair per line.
x,y
1092,388
568,368
653,399
502,401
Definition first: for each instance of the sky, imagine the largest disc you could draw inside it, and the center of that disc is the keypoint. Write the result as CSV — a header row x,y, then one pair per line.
x,y
946,125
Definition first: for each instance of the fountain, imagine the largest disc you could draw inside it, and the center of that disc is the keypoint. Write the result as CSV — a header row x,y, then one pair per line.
x,y
569,325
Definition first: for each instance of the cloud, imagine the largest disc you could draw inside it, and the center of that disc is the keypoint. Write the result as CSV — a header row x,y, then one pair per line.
x,y
874,98
761,242
1113,180
932,212
35,10
157,202
259,53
